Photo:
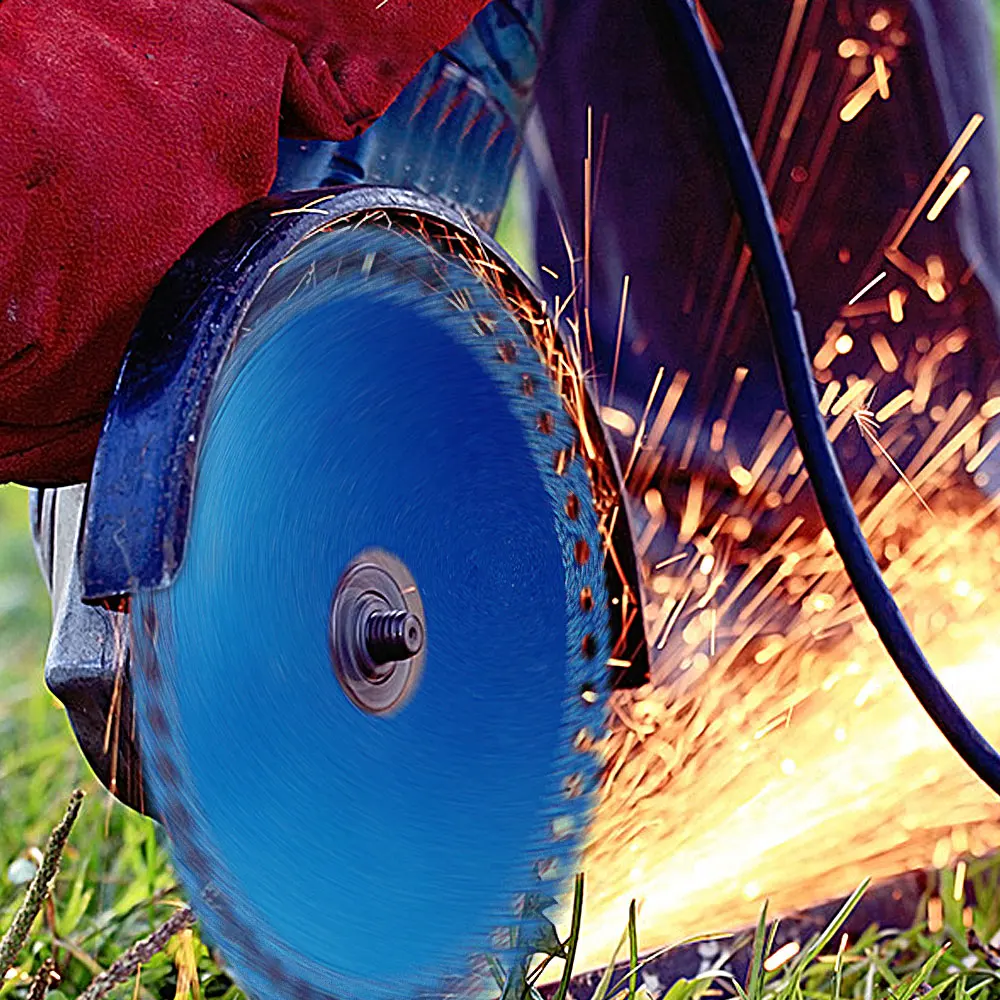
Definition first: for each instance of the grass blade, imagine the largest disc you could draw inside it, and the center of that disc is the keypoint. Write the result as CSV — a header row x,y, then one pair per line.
x,y
573,940
609,970
910,990
633,952
40,887
755,975
812,952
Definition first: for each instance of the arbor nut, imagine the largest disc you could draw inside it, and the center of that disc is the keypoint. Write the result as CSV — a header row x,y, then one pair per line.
x,y
393,635
377,632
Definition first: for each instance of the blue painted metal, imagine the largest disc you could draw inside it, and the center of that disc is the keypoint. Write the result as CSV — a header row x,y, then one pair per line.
x,y
140,486
455,130
138,508
376,397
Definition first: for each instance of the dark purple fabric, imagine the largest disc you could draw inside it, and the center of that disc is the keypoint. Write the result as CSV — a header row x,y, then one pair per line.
x,y
663,206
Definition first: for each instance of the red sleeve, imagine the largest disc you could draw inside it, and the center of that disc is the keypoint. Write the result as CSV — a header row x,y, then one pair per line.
x,y
129,127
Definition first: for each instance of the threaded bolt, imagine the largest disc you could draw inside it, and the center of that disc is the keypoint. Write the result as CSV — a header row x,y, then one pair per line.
x,y
393,635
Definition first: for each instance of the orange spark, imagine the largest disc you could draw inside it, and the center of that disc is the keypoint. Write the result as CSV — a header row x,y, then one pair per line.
x,y
961,176
858,99
883,351
946,164
897,299
784,954
618,338
881,76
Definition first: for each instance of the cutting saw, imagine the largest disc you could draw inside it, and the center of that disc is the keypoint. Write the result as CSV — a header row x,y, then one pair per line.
x,y
357,559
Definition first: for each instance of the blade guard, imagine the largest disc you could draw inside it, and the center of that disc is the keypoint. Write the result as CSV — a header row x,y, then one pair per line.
x,y
140,490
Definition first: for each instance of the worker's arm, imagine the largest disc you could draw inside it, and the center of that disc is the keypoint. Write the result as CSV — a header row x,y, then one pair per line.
x,y
129,127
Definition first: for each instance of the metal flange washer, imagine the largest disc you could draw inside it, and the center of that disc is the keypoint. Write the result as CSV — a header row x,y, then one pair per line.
x,y
377,632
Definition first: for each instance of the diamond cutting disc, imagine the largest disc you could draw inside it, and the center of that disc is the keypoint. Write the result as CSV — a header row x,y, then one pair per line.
x,y
363,696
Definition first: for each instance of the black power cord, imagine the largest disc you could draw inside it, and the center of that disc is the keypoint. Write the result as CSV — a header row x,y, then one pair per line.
x,y
795,369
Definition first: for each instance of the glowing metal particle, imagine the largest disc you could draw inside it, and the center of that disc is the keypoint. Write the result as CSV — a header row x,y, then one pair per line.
x,y
618,339
784,954
881,76
618,420
844,343
935,914
871,284
884,352
880,20
946,164
961,176
858,99
897,299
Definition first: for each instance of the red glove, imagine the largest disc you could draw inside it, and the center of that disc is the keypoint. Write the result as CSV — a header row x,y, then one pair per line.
x,y
128,128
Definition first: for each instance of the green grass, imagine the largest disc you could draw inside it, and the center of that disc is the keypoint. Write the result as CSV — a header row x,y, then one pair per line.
x,y
116,881
116,884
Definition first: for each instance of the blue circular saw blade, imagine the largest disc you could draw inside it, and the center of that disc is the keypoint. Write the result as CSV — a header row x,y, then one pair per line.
x,y
383,398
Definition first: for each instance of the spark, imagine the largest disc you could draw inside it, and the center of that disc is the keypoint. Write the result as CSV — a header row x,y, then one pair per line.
x,y
601,145
671,560
792,116
708,27
851,393
894,405
868,425
946,164
984,453
774,628
880,20
871,284
778,76
828,351
618,339
642,424
784,954
672,619
720,425
691,518
858,99
851,47
909,267
959,891
884,352
741,476
299,211
619,420
961,176
935,914
897,299
881,76
671,398
588,222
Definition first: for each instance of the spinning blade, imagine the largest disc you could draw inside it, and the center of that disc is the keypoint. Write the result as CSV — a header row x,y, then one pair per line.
x,y
380,410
